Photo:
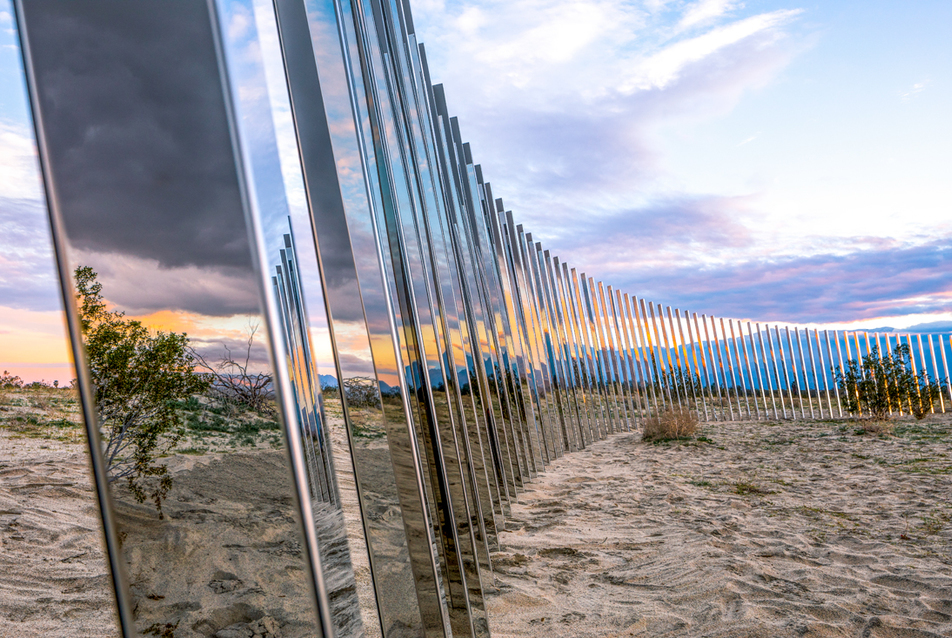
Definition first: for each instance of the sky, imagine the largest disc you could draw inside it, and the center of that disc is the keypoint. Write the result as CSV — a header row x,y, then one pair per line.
x,y
772,161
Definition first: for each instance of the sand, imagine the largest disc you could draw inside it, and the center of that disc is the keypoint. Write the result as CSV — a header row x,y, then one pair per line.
x,y
53,579
766,530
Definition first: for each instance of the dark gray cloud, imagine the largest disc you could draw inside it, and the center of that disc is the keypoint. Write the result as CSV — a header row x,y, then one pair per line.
x,y
136,131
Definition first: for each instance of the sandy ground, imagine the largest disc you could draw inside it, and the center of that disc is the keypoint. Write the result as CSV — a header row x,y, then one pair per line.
x,y
756,530
53,579
766,530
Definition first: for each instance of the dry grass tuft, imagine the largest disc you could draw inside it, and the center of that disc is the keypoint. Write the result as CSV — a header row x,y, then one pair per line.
x,y
879,428
670,425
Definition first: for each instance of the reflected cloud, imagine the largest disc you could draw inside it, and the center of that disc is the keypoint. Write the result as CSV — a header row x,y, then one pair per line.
x,y
130,143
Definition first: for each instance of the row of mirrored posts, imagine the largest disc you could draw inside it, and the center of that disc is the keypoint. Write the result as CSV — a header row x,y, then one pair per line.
x,y
235,163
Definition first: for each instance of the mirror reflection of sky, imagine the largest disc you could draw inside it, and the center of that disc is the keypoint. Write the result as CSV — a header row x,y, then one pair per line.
x,y
771,160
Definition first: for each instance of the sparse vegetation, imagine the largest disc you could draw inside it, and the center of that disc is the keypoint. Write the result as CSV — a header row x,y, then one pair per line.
x,y
138,377
744,488
670,425
231,380
882,386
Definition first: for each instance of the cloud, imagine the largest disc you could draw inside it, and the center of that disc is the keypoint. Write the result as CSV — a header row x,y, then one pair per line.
x,y
889,280
703,12
141,285
27,273
140,150
563,135
916,89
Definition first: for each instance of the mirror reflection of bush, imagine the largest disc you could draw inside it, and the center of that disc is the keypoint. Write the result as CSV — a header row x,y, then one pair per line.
x,y
362,392
232,382
884,385
138,377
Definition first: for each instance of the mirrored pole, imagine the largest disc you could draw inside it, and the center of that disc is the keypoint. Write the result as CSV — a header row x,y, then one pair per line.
x,y
640,352
550,399
767,362
592,361
577,355
832,370
714,385
703,378
689,372
785,377
750,390
674,362
636,376
816,381
724,385
178,205
576,397
666,358
588,391
738,369
559,397
733,369
757,363
613,361
535,384
651,360
612,423
945,369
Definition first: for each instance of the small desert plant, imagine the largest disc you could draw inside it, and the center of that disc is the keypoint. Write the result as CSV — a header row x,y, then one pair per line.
x,y
670,425
233,382
876,427
361,392
10,381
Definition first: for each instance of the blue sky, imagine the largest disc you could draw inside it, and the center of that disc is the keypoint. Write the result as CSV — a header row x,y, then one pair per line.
x,y
777,161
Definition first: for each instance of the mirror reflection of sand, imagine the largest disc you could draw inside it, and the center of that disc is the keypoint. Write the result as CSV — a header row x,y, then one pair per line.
x,y
227,559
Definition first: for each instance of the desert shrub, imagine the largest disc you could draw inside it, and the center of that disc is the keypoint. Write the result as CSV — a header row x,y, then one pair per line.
x,y
234,384
139,378
886,384
10,381
875,427
670,425
361,392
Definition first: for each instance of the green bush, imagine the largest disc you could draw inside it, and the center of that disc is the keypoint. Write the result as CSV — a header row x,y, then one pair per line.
x,y
139,377
884,385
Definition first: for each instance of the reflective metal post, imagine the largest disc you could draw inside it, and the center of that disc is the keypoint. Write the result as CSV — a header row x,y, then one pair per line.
x,y
816,382
666,357
945,369
617,372
773,398
633,365
716,348
757,364
836,389
706,383
734,367
655,366
645,356
750,374
795,364
692,377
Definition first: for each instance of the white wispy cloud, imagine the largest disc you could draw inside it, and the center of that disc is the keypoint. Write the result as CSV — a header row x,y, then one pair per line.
x,y
916,89
704,11
19,169
561,98
660,69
